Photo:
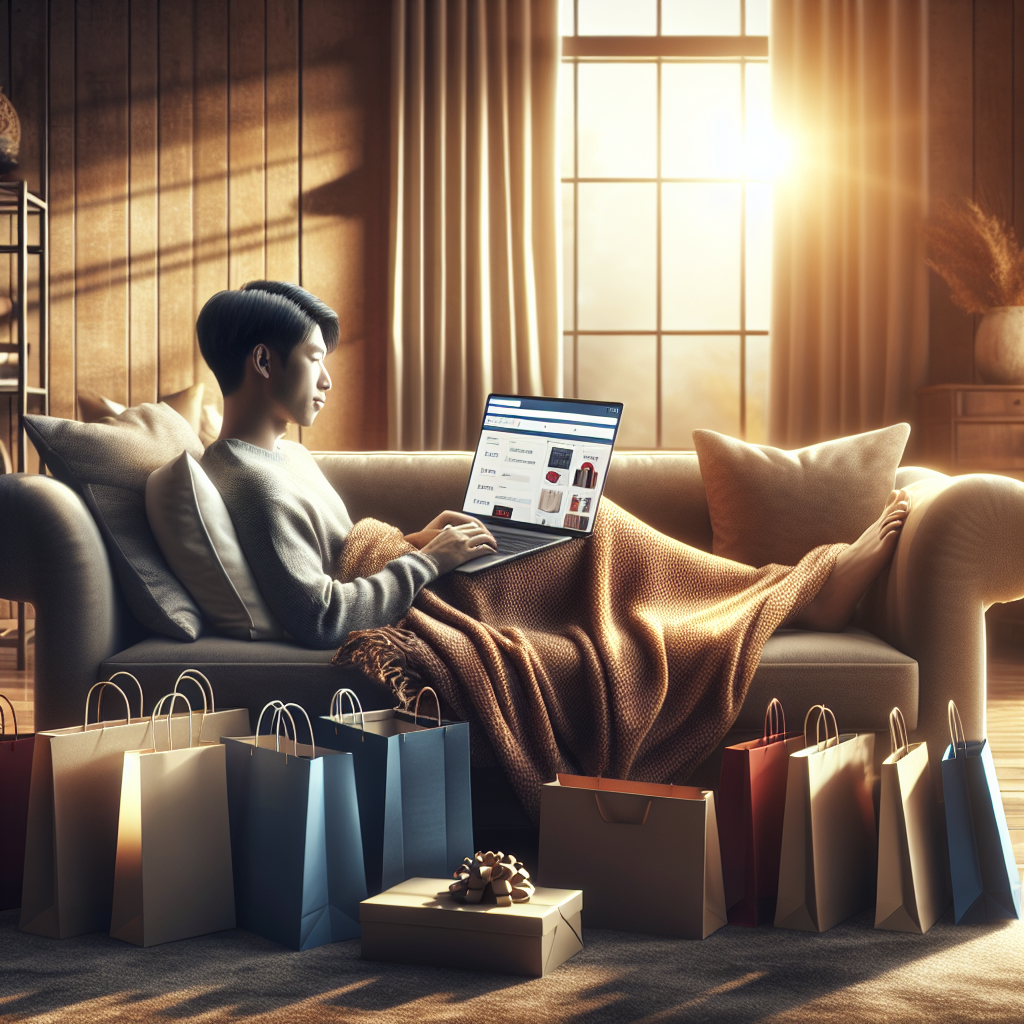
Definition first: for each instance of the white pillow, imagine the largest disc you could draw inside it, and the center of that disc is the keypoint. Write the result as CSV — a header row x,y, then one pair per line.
x,y
192,526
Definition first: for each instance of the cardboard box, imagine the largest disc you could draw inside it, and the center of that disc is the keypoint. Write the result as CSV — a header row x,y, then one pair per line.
x,y
418,922
645,855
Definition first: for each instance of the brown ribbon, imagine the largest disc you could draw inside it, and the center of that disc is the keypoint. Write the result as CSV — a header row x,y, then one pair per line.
x,y
492,878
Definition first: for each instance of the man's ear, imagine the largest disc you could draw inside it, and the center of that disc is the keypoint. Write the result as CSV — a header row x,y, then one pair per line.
x,y
261,360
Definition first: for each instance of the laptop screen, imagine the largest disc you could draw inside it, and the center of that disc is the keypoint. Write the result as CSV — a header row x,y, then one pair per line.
x,y
542,462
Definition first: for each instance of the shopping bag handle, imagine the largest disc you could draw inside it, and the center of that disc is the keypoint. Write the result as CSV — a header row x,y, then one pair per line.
x,y
416,706
277,706
193,675
121,672
956,727
774,715
88,696
172,697
280,710
824,714
3,721
898,734
337,712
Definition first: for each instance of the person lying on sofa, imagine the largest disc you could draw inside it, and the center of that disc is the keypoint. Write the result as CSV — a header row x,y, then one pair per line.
x,y
625,654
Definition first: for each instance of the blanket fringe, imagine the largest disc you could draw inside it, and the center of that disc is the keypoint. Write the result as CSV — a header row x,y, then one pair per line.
x,y
384,655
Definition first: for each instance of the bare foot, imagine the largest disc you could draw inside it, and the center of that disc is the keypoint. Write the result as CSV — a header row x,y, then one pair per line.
x,y
833,607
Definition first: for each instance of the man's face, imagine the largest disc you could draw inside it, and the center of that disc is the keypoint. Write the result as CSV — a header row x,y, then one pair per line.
x,y
299,387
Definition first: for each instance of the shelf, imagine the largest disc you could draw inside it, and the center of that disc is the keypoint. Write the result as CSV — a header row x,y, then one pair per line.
x,y
10,387
13,250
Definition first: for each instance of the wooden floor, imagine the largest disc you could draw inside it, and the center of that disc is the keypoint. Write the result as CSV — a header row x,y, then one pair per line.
x,y
1005,720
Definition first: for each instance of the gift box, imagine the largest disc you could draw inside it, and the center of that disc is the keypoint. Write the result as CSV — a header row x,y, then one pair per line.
x,y
419,922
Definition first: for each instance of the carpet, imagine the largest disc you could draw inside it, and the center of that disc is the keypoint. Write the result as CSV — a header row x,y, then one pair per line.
x,y
852,973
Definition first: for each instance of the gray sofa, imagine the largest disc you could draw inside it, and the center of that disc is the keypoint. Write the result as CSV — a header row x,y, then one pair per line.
x,y
919,638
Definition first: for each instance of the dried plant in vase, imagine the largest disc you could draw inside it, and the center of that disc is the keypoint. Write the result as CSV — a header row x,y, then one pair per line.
x,y
977,255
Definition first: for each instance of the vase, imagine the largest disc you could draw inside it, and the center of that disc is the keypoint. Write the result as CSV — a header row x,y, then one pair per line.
x,y
10,135
999,346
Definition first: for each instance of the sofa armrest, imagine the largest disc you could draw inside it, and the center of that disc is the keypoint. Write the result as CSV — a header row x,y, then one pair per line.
x,y
961,550
52,555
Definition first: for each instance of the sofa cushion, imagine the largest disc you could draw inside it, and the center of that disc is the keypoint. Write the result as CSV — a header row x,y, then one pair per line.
x,y
769,505
108,464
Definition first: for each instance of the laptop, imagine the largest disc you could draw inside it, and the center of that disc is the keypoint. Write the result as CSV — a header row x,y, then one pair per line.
x,y
539,472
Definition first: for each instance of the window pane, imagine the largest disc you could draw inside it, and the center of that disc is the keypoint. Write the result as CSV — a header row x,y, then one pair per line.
x,y
617,263
700,257
566,126
757,17
618,18
700,17
618,110
759,257
757,389
702,125
622,369
568,247
700,386
761,150
569,366
565,17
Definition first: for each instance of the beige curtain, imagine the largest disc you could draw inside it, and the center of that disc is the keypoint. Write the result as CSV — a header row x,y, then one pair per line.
x,y
474,256
849,318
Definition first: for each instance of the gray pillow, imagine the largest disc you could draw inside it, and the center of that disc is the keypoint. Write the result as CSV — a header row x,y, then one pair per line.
x,y
108,464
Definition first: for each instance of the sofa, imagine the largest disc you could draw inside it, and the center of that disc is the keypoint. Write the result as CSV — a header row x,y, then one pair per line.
x,y
917,642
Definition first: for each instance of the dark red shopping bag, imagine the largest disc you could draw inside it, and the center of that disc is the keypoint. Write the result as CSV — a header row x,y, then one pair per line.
x,y
751,805
15,771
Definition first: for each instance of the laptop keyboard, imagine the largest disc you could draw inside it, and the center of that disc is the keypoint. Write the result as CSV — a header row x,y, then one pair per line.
x,y
513,543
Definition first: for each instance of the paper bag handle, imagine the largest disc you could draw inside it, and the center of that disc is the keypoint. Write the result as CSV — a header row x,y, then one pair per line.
x,y
172,697
280,710
898,734
824,714
3,721
277,706
193,675
774,715
121,672
416,706
956,727
337,712
85,724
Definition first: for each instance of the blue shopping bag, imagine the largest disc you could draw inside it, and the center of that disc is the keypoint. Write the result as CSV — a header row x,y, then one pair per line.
x,y
414,789
986,886
295,840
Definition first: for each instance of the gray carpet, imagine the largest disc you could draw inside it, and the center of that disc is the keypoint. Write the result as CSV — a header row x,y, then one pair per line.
x,y
737,975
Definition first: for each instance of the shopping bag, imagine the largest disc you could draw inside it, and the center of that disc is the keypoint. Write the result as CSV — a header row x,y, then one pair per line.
x,y
15,772
298,855
73,807
911,894
986,886
413,785
751,803
645,855
827,862
211,723
172,873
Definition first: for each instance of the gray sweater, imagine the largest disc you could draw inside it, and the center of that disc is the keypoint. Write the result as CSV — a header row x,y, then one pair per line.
x,y
292,526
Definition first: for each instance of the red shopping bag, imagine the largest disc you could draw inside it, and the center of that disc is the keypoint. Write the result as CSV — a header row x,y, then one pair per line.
x,y
751,806
15,772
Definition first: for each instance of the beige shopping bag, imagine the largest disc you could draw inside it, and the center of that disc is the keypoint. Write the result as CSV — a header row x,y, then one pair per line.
x,y
911,874
645,855
827,865
172,876
73,805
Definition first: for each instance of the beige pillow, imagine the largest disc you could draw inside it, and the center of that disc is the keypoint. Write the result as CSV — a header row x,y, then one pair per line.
x,y
191,524
769,505
94,407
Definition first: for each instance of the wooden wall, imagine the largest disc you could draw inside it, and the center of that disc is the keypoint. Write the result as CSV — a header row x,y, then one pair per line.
x,y
194,145
976,142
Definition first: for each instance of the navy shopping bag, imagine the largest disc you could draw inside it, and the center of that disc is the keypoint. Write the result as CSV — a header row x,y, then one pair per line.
x,y
295,843
986,886
414,790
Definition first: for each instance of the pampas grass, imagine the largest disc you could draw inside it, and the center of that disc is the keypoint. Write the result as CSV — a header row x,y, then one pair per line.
x,y
977,255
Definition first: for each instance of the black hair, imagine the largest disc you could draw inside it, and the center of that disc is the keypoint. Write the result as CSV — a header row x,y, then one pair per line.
x,y
277,314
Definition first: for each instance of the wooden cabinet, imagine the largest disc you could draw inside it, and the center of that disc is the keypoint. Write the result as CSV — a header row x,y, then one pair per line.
x,y
972,428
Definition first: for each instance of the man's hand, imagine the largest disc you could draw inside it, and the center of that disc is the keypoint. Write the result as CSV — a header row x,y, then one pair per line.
x,y
453,545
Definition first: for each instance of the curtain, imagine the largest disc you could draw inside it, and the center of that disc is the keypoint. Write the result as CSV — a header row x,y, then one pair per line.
x,y
849,298
475,287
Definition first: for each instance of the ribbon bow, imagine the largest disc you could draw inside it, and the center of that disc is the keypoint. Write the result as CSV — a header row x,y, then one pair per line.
x,y
492,878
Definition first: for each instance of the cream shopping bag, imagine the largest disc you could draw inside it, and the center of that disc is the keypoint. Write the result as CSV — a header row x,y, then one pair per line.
x,y
71,838
827,864
911,873
172,875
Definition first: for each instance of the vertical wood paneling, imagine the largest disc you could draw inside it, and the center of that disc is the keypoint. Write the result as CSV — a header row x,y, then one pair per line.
x,y
142,203
101,154
210,167
993,106
1018,119
246,194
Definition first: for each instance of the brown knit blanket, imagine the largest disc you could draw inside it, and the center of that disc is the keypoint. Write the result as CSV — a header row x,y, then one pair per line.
x,y
626,655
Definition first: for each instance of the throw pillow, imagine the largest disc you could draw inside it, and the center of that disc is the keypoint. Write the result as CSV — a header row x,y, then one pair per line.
x,y
194,530
94,407
769,505
108,464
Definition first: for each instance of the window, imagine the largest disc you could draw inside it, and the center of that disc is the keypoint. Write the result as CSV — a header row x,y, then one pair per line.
x,y
666,199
